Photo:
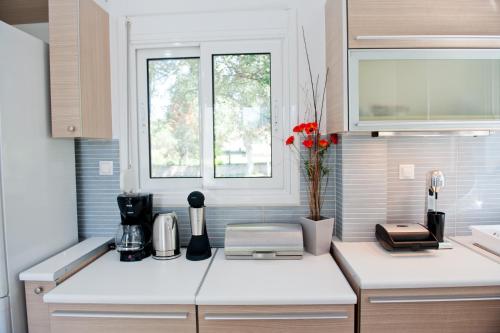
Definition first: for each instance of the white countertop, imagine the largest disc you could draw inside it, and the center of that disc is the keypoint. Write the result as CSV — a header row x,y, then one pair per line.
x,y
150,281
372,267
56,266
468,242
312,280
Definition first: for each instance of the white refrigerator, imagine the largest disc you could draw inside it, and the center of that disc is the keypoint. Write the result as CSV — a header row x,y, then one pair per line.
x,y
37,173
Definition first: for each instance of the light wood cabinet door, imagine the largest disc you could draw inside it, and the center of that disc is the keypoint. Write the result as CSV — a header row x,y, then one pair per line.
x,y
79,318
433,310
276,319
424,23
80,83
37,310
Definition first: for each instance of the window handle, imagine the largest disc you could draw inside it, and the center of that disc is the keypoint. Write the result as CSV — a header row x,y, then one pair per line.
x,y
275,113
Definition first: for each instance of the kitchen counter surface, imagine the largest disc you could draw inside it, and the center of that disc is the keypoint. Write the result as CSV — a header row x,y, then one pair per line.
x,y
150,281
312,280
55,267
372,267
468,242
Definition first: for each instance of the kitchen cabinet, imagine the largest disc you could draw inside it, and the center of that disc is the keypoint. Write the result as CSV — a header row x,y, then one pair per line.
x,y
272,319
424,89
427,23
80,83
412,66
440,291
44,277
107,318
431,310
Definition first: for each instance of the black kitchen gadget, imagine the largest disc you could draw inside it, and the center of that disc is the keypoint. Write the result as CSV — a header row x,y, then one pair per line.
x,y
435,223
411,236
134,236
199,245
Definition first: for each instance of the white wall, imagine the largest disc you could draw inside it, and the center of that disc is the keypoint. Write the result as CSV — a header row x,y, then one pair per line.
x,y
39,30
310,15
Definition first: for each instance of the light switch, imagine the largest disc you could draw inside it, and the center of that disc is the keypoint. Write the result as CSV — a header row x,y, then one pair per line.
x,y
105,168
406,171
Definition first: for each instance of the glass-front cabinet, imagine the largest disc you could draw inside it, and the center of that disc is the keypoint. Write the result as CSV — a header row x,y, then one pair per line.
x,y
424,89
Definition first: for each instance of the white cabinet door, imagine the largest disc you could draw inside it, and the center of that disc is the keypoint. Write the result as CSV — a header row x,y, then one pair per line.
x,y
424,90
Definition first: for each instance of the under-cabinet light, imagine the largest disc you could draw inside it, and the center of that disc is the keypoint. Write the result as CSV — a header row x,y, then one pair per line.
x,y
430,134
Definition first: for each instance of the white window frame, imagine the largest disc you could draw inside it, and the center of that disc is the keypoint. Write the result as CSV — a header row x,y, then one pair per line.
x,y
280,190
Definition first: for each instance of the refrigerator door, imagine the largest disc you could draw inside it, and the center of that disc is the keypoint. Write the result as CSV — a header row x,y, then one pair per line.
x,y
3,263
4,315
38,172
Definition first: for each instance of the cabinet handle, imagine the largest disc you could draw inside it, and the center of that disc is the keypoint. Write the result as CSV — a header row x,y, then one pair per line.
x,y
276,316
430,37
38,290
71,128
124,315
431,299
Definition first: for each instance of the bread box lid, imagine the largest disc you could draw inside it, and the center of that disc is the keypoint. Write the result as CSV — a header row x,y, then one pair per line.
x,y
264,241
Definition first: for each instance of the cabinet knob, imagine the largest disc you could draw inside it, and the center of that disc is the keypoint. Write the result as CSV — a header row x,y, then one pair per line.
x,y
71,128
38,290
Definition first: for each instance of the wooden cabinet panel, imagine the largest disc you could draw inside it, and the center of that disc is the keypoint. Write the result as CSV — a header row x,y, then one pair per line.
x,y
80,83
38,311
64,68
80,318
276,319
370,18
432,310
95,70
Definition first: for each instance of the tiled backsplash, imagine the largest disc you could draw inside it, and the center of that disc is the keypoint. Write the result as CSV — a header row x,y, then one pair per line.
x,y
98,212
365,188
369,190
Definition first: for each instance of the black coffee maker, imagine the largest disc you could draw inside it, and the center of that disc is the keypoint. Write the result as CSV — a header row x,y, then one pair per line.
x,y
199,245
134,236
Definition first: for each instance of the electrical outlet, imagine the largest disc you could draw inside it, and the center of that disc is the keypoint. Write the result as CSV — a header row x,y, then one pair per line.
x,y
406,171
105,168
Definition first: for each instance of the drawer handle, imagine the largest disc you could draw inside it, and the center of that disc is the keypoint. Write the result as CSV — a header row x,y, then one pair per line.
x,y
430,299
276,316
124,315
71,128
38,290
430,37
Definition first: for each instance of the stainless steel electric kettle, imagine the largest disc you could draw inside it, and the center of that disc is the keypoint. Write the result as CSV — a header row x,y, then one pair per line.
x,y
166,243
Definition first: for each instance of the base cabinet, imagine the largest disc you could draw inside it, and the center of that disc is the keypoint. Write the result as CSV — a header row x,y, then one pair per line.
x,y
276,319
431,310
80,318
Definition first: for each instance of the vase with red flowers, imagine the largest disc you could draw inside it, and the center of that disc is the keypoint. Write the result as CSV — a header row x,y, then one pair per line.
x,y
312,147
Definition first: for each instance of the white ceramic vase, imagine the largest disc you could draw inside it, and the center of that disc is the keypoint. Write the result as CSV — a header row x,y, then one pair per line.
x,y
317,235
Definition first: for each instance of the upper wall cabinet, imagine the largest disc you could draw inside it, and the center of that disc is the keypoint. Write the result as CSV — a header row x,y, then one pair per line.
x,y
400,65
79,69
424,23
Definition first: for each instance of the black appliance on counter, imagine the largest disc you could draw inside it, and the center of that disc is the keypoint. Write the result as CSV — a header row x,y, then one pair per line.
x,y
411,236
199,245
134,236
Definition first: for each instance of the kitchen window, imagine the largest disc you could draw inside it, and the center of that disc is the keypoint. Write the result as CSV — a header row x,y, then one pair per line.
x,y
211,118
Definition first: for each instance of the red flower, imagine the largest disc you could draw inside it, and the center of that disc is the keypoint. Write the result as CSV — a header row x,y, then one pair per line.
x,y
323,143
311,127
290,140
308,143
334,138
299,128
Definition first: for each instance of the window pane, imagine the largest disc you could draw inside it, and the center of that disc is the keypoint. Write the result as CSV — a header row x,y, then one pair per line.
x,y
242,115
174,117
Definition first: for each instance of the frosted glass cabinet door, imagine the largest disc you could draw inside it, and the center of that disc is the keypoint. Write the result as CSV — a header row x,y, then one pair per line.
x,y
424,89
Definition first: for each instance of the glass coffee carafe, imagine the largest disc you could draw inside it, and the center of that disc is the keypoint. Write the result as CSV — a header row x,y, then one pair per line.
x,y
129,238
